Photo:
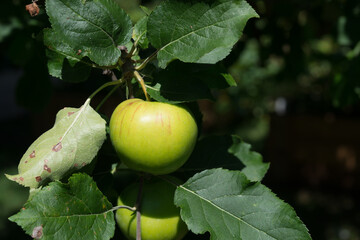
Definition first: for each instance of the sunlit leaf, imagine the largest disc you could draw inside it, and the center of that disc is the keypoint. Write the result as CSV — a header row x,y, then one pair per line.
x,y
77,210
228,206
96,28
197,31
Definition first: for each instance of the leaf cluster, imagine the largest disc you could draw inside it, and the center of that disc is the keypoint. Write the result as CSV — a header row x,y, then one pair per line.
x,y
173,54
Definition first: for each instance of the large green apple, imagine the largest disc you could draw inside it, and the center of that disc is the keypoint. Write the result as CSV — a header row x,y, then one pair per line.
x,y
152,137
160,219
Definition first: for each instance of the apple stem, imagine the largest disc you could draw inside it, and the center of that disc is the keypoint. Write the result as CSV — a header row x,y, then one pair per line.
x,y
130,88
142,83
138,206
123,206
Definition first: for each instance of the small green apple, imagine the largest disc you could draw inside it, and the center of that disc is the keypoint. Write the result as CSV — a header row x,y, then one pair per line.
x,y
152,137
160,218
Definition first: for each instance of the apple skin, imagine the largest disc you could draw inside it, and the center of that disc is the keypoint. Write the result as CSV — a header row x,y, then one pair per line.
x,y
160,218
152,137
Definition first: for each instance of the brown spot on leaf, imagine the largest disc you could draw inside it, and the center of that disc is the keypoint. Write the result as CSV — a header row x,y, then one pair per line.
x,y
15,178
76,165
26,161
33,9
78,52
46,168
37,232
83,164
21,179
23,208
70,113
57,147
38,178
32,155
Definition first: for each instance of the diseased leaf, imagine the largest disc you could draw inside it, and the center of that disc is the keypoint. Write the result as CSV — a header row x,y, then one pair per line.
x,y
96,28
255,169
77,210
226,204
197,31
71,144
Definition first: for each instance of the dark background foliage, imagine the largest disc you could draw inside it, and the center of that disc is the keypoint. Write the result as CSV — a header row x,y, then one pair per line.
x,y
297,102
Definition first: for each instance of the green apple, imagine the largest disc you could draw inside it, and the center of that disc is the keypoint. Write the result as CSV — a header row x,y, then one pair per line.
x,y
152,137
160,218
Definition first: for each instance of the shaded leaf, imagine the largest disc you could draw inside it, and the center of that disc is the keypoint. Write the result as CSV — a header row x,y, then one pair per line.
x,y
63,61
139,33
79,72
226,204
255,169
96,28
196,31
174,91
77,210
71,144
212,152
185,82
225,152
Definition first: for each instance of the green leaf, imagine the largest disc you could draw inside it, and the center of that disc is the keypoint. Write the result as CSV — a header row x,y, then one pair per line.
x,y
139,33
174,91
146,10
76,73
198,32
225,152
226,204
77,210
71,144
7,28
213,75
185,82
212,152
96,28
255,169
63,61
